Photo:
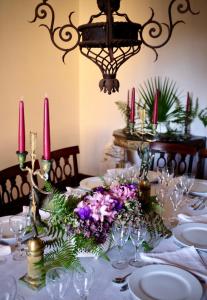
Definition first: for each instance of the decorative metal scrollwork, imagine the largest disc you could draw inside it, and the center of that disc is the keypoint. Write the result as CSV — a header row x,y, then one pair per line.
x,y
109,44
58,34
155,29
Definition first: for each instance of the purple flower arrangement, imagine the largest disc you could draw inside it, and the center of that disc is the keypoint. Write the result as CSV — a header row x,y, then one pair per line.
x,y
97,210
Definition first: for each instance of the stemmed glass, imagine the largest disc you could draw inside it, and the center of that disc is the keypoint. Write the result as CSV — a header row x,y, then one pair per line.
x,y
120,234
160,176
176,198
137,236
2,258
17,226
82,281
57,282
168,174
187,181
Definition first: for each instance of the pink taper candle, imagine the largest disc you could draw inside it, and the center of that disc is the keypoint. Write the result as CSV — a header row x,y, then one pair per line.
x,y
128,99
155,108
46,131
188,104
132,112
21,131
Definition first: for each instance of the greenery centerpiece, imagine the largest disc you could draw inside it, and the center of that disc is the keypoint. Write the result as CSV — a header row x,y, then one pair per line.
x,y
174,117
83,222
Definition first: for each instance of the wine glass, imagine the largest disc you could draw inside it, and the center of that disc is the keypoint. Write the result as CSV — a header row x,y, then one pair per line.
x,y
137,236
160,176
8,287
82,281
176,198
2,258
57,282
187,180
168,174
120,234
17,226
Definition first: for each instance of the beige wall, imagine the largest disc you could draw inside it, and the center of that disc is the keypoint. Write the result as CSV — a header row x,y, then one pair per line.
x,y
183,59
31,66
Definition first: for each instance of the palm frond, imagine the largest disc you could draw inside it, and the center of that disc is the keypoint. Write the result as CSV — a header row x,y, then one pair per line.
x,y
168,105
125,110
203,116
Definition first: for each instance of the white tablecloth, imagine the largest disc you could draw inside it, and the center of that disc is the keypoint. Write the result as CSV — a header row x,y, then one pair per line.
x,y
103,288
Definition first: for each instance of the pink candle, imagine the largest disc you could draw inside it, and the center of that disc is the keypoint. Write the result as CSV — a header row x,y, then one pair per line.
x,y
21,131
155,108
132,112
46,131
128,99
188,104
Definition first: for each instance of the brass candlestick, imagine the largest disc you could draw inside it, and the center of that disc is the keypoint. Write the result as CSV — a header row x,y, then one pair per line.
x,y
35,252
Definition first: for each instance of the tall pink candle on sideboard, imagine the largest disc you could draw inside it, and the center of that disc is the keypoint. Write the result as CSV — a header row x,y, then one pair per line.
x,y
21,131
155,108
188,103
132,111
46,131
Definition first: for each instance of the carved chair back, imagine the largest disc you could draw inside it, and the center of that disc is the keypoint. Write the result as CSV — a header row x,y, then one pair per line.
x,y
201,163
179,156
64,170
15,188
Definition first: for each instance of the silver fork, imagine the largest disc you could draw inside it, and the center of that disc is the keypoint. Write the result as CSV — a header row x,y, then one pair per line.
x,y
201,204
197,203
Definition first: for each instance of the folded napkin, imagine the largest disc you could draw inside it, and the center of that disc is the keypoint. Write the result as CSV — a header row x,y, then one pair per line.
x,y
185,218
186,258
75,191
5,250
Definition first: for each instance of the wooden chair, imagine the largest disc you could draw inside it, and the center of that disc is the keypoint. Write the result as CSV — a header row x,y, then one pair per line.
x,y
201,163
180,156
15,189
64,170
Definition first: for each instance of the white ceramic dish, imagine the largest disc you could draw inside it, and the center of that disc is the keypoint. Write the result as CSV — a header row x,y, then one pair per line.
x,y
191,234
163,282
199,188
8,236
91,182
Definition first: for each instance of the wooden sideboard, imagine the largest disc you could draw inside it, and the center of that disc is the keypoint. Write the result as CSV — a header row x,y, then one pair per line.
x,y
133,143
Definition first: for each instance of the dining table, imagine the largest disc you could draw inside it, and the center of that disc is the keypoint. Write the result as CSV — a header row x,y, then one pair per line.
x,y
103,287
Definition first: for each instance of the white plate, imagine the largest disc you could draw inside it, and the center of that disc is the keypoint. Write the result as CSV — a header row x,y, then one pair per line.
x,y
8,236
199,188
192,234
91,182
163,282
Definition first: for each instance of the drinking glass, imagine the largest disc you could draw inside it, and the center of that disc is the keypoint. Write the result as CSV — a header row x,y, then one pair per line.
x,y
160,176
82,281
57,282
8,287
2,258
176,197
137,236
17,226
187,180
120,234
168,174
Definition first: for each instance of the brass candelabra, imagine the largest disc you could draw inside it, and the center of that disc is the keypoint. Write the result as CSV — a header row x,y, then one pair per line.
x,y
35,252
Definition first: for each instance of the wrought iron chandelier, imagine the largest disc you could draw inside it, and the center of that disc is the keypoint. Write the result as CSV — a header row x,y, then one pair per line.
x,y
109,44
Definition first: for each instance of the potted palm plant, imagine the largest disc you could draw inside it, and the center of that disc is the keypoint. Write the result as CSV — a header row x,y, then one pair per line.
x,y
173,117
169,105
